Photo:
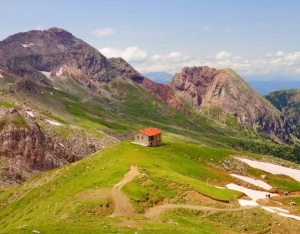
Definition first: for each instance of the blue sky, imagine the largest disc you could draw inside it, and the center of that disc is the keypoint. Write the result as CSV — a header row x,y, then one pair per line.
x,y
256,38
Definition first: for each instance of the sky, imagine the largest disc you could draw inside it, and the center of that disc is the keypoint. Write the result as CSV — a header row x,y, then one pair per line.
x,y
259,39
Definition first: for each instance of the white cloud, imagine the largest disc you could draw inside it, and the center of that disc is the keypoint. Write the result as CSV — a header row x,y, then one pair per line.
x,y
111,52
223,55
156,57
103,32
134,54
279,53
174,55
131,54
292,56
225,63
271,64
39,27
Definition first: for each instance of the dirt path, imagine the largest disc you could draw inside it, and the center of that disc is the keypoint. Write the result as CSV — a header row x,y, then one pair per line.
x,y
157,210
122,204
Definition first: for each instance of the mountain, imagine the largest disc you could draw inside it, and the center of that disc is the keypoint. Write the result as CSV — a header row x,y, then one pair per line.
x,y
62,100
67,164
264,87
288,102
47,52
38,54
222,95
159,77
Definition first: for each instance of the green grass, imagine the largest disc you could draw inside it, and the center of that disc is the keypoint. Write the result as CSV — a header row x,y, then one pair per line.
x,y
75,198
56,194
18,120
6,104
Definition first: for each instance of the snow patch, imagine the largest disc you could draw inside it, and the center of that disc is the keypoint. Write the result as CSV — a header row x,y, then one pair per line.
x,y
280,211
1,76
248,202
47,74
272,168
58,74
30,113
277,208
56,88
289,216
254,194
27,45
53,122
258,183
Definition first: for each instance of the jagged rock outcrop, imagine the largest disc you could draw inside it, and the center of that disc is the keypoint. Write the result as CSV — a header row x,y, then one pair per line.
x,y
48,51
55,51
288,102
209,90
26,150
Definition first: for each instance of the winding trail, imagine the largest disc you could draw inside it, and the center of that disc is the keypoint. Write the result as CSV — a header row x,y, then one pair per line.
x,y
123,206
157,210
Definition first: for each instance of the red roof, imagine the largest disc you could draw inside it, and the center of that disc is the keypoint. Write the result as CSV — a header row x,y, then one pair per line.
x,y
150,131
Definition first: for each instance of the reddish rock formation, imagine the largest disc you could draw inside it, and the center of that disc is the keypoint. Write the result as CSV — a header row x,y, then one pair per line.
x,y
209,91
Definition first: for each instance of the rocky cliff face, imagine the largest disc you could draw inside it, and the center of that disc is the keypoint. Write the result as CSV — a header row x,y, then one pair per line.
x,y
288,102
219,93
56,50
26,150
26,53
207,90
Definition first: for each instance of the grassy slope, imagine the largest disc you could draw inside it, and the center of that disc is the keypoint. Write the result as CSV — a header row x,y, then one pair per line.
x,y
75,198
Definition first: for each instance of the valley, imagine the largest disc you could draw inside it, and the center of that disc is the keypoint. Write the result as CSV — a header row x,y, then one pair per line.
x,y
68,165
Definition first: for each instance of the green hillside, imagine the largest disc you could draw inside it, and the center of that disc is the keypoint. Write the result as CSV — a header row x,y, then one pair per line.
x,y
76,198
187,170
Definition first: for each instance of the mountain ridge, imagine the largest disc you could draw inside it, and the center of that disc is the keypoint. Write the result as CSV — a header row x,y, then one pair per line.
x,y
62,79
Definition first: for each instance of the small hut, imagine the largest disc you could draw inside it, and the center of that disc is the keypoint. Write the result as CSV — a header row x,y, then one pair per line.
x,y
148,137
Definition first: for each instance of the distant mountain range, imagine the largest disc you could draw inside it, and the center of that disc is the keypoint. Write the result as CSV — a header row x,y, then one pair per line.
x,y
159,77
268,86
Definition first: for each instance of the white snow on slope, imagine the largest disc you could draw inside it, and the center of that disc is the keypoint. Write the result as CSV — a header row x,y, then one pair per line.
x,y
59,72
27,45
254,194
53,122
30,113
255,182
272,168
47,74
244,202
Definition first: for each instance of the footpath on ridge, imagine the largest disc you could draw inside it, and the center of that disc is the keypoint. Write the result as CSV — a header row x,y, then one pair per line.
x,y
123,207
